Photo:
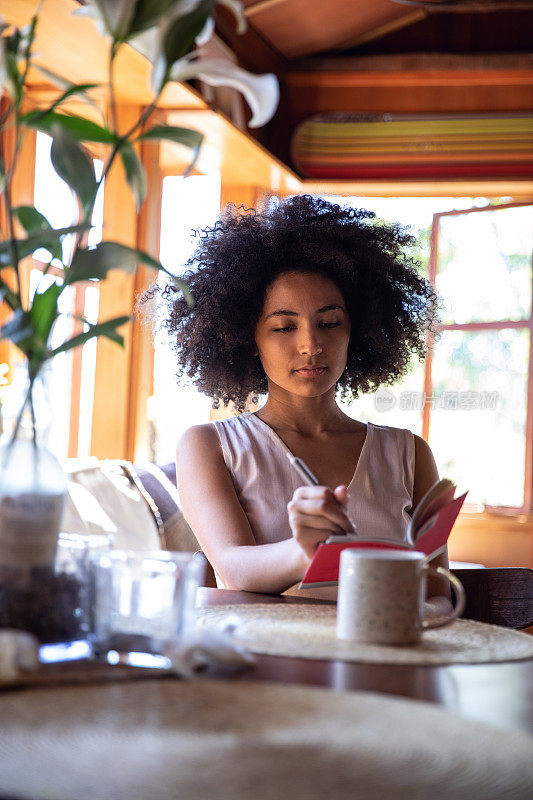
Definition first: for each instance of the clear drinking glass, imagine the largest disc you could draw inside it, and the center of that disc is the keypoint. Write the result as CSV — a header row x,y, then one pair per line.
x,y
143,600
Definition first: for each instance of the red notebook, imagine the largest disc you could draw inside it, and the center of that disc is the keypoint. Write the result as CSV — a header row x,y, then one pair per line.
x,y
428,532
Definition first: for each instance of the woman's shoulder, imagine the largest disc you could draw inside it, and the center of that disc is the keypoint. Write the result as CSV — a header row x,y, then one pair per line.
x,y
415,443
198,437
236,427
391,430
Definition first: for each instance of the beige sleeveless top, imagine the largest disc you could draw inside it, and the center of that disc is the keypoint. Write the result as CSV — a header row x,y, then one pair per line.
x,y
380,493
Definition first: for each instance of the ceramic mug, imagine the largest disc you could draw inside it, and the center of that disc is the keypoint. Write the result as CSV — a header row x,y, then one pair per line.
x,y
381,596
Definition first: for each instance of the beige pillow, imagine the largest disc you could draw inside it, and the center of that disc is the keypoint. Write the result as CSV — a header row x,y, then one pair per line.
x,y
102,499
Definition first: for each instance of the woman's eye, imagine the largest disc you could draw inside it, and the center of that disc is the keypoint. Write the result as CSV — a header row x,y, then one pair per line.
x,y
329,324
283,330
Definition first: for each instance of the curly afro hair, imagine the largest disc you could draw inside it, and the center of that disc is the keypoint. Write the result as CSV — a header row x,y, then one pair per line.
x,y
391,307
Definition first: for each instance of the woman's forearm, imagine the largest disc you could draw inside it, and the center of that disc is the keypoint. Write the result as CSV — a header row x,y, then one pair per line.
x,y
268,568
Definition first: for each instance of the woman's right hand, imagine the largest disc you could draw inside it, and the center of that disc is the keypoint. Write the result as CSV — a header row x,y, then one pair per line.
x,y
315,513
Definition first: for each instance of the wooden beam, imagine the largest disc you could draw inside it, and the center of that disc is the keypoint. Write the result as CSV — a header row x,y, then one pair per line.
x,y
109,437
379,31
22,191
141,378
227,151
300,27
521,190
415,62
350,79
71,46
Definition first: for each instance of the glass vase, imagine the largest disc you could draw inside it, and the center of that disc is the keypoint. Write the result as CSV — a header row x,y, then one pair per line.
x,y
32,493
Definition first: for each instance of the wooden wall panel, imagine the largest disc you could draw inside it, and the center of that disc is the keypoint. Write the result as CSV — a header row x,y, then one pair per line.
x,y
410,91
142,349
109,438
493,540
22,194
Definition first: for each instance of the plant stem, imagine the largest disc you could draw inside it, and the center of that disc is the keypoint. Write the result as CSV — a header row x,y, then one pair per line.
x,y
112,98
9,211
28,398
32,411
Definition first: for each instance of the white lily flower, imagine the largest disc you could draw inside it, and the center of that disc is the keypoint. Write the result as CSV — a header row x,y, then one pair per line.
x,y
238,12
206,32
261,92
112,17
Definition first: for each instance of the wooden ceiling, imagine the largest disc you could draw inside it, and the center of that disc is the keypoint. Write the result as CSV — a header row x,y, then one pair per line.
x,y
295,29
363,56
386,57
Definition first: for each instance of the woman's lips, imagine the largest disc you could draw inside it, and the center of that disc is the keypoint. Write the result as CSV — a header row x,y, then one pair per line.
x,y
311,372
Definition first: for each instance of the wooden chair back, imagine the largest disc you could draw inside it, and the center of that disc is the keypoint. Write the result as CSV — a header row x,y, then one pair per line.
x,y
500,596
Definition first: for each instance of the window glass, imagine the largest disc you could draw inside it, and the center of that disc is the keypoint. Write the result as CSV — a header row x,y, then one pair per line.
x,y
188,205
484,265
478,414
401,404
54,199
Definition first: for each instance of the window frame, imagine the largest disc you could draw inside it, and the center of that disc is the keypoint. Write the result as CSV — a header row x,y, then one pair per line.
x,y
527,506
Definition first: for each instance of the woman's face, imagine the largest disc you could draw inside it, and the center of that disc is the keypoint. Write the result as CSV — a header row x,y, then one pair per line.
x,y
303,333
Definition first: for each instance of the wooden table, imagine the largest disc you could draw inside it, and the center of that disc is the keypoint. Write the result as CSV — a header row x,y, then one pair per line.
x,y
501,693
90,731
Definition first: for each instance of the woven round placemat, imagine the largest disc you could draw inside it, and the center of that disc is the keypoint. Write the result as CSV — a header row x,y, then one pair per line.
x,y
165,739
308,631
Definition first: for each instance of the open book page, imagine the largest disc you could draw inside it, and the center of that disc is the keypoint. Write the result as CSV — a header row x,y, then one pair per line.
x,y
440,494
432,536
324,568
434,533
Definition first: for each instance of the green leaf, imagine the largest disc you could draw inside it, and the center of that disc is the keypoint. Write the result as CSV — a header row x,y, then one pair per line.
x,y
7,294
18,327
189,299
82,129
183,30
44,311
33,222
135,174
73,165
66,86
70,89
14,82
98,261
31,219
107,329
147,14
44,238
185,136
172,133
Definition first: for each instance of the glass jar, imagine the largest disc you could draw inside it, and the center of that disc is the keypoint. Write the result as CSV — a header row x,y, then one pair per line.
x,y
32,492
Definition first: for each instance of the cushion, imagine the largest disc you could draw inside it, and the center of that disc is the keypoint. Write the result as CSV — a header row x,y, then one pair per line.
x,y
103,498
160,485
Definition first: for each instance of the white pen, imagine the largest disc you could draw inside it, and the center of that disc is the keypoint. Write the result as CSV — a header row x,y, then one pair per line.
x,y
311,480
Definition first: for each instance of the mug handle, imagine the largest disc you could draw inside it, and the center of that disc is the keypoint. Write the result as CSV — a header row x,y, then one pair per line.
x,y
460,598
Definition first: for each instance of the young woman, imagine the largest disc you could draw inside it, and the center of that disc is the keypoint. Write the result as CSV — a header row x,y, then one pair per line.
x,y
302,302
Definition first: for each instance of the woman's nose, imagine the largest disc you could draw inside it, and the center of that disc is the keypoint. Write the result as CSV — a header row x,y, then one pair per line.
x,y
309,344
